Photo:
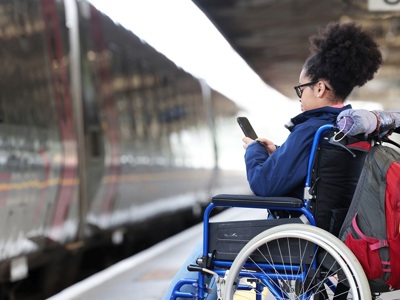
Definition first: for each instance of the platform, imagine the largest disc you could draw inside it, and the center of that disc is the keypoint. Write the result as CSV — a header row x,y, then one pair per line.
x,y
146,275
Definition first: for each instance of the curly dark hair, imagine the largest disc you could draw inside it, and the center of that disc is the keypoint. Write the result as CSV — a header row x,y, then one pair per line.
x,y
345,55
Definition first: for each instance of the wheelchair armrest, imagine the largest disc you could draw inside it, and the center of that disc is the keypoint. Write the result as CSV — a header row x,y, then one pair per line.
x,y
256,201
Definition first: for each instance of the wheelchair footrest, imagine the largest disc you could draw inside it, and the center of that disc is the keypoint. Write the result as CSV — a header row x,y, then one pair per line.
x,y
228,238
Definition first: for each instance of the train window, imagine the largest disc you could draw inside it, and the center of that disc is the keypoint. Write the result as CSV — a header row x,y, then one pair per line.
x,y
24,65
95,143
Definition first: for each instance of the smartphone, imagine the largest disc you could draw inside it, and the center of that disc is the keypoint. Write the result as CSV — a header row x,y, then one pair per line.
x,y
246,127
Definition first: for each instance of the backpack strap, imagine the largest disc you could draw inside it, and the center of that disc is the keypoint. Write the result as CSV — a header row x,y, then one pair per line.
x,y
375,244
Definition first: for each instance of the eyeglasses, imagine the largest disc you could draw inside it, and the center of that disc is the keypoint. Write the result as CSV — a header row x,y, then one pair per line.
x,y
298,89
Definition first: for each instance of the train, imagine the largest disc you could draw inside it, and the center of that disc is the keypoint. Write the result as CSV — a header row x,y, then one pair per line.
x,y
106,145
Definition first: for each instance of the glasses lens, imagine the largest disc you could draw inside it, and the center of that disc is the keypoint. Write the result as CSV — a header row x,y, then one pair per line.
x,y
299,92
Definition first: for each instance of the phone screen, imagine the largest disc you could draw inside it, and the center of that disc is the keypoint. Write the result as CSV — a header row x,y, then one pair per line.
x,y
246,127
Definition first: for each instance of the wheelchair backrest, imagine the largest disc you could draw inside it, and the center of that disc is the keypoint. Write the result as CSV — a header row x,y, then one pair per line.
x,y
334,174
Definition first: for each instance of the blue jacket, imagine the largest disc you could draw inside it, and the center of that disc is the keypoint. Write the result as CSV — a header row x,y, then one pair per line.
x,y
283,173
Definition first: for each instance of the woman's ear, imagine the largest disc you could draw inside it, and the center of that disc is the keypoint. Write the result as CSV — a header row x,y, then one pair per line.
x,y
320,89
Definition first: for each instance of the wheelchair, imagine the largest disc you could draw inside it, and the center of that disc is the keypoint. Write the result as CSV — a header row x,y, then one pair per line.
x,y
286,256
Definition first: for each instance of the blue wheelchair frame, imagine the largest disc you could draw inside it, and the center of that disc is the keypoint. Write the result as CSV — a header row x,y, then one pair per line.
x,y
249,201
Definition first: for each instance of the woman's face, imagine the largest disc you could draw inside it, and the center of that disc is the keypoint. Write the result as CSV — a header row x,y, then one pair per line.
x,y
314,95
307,100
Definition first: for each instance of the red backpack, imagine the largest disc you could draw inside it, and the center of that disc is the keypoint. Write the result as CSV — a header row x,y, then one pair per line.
x,y
372,225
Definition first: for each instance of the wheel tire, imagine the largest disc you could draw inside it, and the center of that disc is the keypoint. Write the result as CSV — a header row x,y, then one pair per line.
x,y
333,260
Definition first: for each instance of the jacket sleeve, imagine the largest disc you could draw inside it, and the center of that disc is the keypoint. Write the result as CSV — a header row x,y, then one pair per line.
x,y
283,173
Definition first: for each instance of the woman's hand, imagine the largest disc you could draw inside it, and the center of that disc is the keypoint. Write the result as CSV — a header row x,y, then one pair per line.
x,y
269,145
247,141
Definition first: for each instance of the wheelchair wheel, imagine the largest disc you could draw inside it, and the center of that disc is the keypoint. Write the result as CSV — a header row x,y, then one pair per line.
x,y
296,261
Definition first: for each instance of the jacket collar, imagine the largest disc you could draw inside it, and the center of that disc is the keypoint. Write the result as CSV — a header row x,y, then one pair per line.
x,y
326,112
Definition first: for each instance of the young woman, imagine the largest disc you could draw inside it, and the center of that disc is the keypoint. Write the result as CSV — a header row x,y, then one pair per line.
x,y
342,57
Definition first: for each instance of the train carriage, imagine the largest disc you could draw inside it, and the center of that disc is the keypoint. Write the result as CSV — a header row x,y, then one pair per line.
x,y
101,137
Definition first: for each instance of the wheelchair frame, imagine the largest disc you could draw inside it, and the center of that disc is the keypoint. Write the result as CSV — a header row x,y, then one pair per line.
x,y
207,261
